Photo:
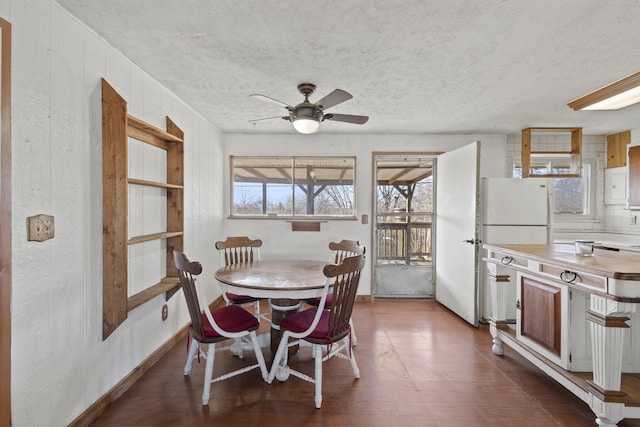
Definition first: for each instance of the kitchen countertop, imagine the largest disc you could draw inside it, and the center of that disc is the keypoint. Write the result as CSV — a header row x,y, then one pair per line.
x,y
602,240
604,263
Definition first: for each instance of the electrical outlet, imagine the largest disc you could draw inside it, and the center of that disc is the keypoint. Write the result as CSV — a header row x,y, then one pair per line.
x,y
40,227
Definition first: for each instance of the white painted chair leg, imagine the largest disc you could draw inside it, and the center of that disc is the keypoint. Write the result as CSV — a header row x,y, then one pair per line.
x,y
318,377
208,373
193,348
354,339
352,358
259,355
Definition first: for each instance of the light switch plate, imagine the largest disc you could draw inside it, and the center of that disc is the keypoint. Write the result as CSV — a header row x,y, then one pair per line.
x,y
40,227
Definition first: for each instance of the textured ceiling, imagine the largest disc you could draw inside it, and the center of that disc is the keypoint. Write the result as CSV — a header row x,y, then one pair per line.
x,y
413,66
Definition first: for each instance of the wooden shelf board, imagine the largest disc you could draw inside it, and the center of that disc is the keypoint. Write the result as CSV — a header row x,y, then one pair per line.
x,y
574,175
157,132
546,153
552,129
167,284
154,236
136,181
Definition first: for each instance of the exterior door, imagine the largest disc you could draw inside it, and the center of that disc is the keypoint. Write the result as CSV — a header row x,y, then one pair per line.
x,y
457,227
403,264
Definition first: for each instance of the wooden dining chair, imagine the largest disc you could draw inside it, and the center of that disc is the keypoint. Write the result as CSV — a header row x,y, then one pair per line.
x,y
211,327
323,328
340,251
239,250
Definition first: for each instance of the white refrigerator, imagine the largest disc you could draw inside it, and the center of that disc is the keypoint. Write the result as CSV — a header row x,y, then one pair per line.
x,y
513,211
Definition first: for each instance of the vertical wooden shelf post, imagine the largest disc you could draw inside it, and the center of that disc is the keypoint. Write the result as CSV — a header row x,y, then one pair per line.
x,y
114,202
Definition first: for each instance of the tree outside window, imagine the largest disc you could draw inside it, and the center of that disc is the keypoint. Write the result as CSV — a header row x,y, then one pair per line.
x,y
293,186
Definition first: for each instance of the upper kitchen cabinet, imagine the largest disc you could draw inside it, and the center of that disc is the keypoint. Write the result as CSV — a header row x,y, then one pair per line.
x,y
617,149
551,152
634,177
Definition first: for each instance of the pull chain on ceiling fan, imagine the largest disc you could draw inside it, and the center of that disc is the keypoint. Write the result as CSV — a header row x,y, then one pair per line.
x,y
306,116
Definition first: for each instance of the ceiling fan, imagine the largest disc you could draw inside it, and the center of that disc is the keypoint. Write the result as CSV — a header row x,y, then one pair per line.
x,y
306,116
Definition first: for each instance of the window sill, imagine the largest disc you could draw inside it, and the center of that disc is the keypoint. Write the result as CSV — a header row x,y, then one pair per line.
x,y
294,218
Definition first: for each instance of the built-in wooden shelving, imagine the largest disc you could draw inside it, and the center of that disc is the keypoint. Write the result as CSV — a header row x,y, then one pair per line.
x,y
571,158
117,128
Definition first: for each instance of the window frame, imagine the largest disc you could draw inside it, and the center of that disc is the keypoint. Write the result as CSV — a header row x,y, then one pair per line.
x,y
589,203
590,192
293,216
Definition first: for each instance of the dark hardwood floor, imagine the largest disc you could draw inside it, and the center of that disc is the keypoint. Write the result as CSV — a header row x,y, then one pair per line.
x,y
420,366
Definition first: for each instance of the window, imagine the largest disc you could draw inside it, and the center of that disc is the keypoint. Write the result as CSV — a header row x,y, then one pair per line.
x,y
572,197
293,187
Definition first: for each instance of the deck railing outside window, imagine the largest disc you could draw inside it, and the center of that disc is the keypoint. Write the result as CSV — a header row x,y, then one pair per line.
x,y
406,243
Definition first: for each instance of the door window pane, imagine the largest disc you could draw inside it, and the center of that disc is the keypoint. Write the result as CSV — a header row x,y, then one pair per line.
x,y
404,211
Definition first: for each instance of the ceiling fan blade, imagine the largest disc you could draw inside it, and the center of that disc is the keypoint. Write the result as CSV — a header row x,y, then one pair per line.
x,y
269,118
271,100
334,98
348,118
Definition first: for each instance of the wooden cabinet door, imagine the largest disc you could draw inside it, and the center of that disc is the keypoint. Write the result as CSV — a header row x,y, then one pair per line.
x,y
634,177
540,314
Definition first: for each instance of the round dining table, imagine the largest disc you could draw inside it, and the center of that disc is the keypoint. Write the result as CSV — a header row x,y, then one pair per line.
x,y
283,281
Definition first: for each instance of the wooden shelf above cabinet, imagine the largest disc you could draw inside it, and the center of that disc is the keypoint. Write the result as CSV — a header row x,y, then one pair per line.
x,y
573,157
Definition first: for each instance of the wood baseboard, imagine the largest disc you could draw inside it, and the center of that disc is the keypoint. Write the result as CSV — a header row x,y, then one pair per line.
x,y
98,407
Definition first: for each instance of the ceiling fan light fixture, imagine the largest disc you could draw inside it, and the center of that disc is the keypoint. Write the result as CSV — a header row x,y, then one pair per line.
x,y
615,96
306,125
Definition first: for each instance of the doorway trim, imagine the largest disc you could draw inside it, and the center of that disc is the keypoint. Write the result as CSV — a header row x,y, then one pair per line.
x,y
374,191
5,224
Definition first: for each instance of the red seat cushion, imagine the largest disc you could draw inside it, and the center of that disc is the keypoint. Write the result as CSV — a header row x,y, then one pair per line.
x,y
240,299
231,318
301,321
316,301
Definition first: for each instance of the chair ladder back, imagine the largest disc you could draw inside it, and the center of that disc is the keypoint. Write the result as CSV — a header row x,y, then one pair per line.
x,y
345,288
187,270
239,250
344,249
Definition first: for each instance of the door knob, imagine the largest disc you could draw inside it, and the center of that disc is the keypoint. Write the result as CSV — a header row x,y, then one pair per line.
x,y
470,241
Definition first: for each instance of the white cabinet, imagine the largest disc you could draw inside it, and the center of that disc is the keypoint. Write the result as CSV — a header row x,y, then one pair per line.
x,y
615,186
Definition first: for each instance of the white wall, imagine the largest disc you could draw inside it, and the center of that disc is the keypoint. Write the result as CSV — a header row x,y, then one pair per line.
x,y
280,241
60,365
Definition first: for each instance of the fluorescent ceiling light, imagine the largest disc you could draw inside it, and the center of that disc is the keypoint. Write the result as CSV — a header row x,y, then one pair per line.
x,y
617,95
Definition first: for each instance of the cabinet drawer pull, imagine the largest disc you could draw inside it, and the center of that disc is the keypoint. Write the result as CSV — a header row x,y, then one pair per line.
x,y
506,260
568,276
